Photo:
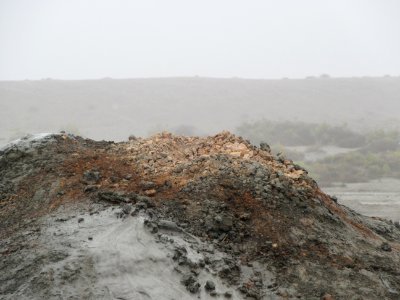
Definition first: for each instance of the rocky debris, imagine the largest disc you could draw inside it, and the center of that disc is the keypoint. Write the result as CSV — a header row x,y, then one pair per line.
x,y
91,176
151,225
147,185
150,193
223,223
91,188
258,226
132,138
209,286
168,225
128,177
265,147
113,197
327,297
386,247
228,295
191,283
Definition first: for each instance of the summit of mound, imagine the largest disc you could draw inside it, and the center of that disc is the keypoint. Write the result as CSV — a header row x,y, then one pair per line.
x,y
260,226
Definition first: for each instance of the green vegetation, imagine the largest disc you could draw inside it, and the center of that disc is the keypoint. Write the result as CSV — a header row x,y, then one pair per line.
x,y
379,158
356,166
369,156
301,134
381,141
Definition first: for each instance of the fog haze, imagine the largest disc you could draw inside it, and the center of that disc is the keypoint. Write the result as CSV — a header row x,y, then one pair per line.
x,y
248,39
113,109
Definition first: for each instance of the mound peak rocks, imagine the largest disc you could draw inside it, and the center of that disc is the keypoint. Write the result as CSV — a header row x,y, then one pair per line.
x,y
232,218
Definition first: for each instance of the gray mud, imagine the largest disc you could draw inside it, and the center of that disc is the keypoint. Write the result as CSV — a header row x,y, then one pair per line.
x,y
101,255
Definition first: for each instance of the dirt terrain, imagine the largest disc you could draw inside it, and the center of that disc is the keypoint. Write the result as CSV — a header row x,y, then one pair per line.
x,y
376,198
172,217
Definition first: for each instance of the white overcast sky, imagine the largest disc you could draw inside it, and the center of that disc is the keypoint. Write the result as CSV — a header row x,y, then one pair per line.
x,y
75,39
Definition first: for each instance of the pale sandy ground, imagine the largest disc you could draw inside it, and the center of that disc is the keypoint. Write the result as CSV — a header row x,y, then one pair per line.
x,y
378,198
121,260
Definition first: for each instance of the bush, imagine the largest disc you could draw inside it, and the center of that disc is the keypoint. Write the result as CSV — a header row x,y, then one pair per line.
x,y
301,134
356,166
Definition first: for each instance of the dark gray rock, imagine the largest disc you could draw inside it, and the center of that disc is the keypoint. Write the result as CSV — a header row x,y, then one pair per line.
x,y
91,176
228,295
265,147
151,225
126,209
90,188
132,138
113,197
386,247
209,286
168,225
223,223
190,282
147,185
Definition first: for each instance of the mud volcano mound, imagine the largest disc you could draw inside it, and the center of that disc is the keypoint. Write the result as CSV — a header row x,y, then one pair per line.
x,y
172,217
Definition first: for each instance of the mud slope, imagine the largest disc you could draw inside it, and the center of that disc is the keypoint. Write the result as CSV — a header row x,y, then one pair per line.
x,y
174,217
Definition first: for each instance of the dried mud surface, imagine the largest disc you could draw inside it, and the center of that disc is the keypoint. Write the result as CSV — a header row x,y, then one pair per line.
x,y
173,217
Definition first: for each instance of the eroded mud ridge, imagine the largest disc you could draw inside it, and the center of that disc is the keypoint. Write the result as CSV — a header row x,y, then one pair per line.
x,y
173,217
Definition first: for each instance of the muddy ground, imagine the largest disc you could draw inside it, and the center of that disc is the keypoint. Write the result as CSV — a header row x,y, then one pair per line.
x,y
173,217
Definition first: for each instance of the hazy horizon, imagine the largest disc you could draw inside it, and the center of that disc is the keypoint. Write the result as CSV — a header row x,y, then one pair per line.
x,y
70,40
318,76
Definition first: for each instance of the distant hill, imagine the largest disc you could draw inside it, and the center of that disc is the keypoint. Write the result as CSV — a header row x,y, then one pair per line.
x,y
114,109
